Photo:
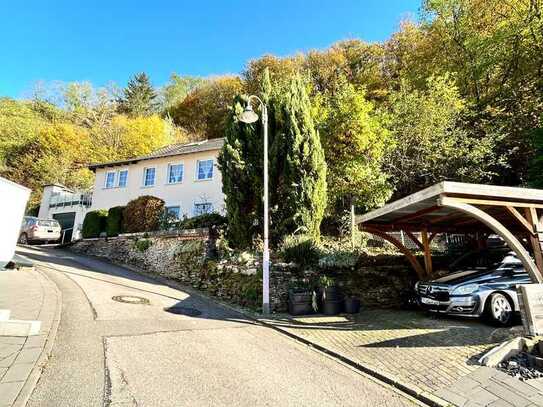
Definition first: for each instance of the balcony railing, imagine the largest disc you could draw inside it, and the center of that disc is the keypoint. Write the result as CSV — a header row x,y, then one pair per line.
x,y
65,199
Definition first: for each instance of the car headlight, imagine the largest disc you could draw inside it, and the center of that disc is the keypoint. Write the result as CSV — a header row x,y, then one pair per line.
x,y
465,289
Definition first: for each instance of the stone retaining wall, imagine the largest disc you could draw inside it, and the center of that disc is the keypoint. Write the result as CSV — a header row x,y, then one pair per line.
x,y
235,277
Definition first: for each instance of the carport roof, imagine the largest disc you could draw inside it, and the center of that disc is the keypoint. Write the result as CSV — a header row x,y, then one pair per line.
x,y
425,209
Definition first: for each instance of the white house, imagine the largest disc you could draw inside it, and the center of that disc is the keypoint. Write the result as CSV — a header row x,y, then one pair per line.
x,y
184,176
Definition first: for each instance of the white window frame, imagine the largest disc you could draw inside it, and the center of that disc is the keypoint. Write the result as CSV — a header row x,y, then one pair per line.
x,y
119,178
143,185
198,169
180,214
182,164
106,180
202,203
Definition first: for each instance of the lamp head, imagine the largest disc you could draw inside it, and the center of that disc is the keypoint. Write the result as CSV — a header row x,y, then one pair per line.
x,y
248,115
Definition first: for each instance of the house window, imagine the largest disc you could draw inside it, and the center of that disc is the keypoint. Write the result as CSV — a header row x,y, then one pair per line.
x,y
204,169
110,179
175,173
201,208
149,177
174,211
123,178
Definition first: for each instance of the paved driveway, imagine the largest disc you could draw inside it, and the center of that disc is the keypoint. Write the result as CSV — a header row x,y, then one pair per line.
x,y
424,353
123,354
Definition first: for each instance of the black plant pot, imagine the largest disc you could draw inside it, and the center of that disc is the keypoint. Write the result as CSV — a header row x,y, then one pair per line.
x,y
332,293
352,305
300,302
332,307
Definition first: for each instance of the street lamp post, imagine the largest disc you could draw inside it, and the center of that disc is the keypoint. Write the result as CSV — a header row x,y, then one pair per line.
x,y
249,116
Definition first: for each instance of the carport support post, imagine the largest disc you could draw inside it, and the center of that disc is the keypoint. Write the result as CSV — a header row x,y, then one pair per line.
x,y
427,252
535,238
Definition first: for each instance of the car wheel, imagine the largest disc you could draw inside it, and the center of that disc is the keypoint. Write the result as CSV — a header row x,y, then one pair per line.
x,y
499,310
23,239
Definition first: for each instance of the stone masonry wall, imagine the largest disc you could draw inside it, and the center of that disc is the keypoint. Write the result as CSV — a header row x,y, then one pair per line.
x,y
236,278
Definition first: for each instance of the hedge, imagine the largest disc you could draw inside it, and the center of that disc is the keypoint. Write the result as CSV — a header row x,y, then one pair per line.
x,y
114,221
206,220
94,223
142,214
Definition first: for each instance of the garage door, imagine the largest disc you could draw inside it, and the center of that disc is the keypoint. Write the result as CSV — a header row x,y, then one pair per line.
x,y
66,221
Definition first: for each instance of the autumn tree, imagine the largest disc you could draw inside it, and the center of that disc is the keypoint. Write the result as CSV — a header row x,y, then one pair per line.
x,y
355,143
204,111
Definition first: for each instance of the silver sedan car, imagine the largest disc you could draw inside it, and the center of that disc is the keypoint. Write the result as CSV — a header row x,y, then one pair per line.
x,y
482,285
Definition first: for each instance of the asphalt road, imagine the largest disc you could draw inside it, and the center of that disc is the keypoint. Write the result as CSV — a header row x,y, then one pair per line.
x,y
124,354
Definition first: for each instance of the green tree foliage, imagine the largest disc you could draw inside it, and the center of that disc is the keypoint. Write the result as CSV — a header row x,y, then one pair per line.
x,y
114,220
143,214
355,142
299,169
177,89
239,161
430,143
535,174
139,97
94,223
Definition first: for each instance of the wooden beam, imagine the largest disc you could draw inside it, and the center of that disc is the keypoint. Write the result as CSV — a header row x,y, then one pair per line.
x,y
427,252
405,251
414,239
432,235
500,230
533,223
492,202
516,214
414,215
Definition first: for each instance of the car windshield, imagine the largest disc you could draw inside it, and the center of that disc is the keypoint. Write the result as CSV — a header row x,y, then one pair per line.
x,y
486,259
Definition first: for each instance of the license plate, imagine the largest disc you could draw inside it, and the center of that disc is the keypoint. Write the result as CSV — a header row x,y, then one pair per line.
x,y
49,231
429,301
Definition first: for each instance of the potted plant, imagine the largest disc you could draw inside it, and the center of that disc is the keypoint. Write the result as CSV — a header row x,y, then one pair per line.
x,y
352,304
300,299
331,296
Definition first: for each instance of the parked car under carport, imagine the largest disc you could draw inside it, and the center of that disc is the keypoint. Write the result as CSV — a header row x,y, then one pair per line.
x,y
481,284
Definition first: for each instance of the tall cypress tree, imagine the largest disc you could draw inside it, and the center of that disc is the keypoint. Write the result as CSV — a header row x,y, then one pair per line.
x,y
297,170
139,97
299,167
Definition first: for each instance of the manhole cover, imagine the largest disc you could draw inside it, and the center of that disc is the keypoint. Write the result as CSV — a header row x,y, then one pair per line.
x,y
191,312
130,299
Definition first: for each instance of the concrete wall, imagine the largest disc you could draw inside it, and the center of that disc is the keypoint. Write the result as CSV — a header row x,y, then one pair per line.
x,y
184,194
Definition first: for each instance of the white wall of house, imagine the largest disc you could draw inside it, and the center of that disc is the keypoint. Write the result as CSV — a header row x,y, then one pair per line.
x,y
189,194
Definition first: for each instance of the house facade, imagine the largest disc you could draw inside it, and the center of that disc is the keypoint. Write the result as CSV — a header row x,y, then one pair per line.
x,y
185,176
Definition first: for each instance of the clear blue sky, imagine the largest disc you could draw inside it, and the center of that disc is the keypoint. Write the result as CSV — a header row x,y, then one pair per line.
x,y
103,41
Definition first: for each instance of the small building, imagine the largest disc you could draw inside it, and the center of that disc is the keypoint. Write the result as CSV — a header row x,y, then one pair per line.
x,y
67,206
185,176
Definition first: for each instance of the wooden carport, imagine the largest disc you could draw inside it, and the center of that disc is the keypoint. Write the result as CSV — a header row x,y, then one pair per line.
x,y
460,208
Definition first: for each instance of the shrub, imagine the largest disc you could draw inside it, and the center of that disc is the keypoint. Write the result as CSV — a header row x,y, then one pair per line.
x,y
114,220
301,250
143,244
206,220
142,214
94,223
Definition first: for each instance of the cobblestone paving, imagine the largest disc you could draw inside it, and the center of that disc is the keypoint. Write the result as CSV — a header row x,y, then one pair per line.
x,y
421,351
29,296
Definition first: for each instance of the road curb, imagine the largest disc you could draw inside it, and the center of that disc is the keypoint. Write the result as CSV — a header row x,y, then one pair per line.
x,y
35,374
